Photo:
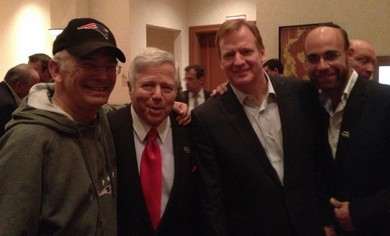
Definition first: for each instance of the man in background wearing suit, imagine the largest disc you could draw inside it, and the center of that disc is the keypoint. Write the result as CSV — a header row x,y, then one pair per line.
x,y
153,83
195,93
16,85
356,118
258,146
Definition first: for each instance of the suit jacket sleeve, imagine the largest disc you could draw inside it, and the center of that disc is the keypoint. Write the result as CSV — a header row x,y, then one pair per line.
x,y
210,190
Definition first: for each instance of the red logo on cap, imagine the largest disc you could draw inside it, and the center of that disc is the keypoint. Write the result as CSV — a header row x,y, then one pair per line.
x,y
99,28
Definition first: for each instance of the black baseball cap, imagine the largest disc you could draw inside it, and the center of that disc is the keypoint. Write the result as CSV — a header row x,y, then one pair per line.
x,y
83,36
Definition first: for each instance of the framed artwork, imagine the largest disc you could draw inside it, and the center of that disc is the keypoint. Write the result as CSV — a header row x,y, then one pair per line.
x,y
291,49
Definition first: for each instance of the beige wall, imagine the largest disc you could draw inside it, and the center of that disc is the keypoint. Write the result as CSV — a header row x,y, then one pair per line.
x,y
209,12
25,23
368,20
24,28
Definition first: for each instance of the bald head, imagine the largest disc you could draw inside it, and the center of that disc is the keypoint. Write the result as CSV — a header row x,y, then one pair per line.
x,y
21,78
362,58
326,49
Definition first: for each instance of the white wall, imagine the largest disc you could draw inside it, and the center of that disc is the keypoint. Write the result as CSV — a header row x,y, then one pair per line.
x,y
116,16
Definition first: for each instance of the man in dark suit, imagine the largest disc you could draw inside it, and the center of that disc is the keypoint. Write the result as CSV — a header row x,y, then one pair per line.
x,y
153,84
195,93
356,120
16,85
258,146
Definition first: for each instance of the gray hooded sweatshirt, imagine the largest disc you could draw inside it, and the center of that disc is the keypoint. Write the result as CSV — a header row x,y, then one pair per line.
x,y
57,177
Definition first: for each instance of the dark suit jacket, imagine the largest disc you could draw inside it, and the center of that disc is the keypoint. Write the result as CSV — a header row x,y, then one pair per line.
x,y
7,105
180,217
361,170
242,194
184,96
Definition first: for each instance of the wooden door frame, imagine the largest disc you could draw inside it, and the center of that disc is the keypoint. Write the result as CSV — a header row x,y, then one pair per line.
x,y
194,46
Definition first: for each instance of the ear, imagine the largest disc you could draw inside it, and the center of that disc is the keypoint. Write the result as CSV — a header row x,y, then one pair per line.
x,y
350,52
55,71
262,55
19,85
130,91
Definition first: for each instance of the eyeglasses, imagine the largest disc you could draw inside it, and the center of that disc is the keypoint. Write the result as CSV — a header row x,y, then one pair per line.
x,y
92,68
328,56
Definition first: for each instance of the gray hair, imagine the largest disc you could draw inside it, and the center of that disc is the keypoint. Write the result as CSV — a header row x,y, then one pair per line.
x,y
151,57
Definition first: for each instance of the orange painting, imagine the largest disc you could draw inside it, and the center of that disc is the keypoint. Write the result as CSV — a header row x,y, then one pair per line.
x,y
291,49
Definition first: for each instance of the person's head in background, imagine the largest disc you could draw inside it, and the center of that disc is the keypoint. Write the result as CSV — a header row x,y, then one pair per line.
x,y
40,62
153,84
84,68
21,78
362,58
194,77
273,67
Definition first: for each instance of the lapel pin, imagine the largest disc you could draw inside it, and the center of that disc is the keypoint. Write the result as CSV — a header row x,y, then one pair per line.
x,y
187,150
345,134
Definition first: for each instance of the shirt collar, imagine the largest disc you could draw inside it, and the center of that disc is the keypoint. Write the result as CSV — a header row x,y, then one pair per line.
x,y
141,128
200,93
242,96
347,90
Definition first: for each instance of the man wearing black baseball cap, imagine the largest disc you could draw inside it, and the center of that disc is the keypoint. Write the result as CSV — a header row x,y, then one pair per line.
x,y
57,158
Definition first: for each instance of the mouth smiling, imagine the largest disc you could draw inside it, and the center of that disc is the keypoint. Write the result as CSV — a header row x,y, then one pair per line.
x,y
98,89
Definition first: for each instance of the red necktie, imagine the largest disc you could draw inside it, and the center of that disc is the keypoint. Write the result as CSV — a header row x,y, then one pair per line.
x,y
151,177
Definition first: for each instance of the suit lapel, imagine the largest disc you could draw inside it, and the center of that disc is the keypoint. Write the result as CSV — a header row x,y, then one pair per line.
x,y
181,149
351,115
127,165
235,114
186,97
284,96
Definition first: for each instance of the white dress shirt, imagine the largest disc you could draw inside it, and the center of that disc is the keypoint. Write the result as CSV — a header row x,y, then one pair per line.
x,y
165,141
265,120
336,115
191,99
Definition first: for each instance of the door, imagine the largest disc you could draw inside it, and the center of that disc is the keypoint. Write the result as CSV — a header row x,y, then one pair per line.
x,y
203,52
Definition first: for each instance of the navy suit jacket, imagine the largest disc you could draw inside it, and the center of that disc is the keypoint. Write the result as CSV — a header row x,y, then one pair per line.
x,y
7,105
180,216
241,193
361,170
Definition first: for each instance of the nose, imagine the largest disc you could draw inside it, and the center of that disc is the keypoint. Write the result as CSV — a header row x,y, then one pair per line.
x,y
370,68
157,92
322,64
238,59
102,75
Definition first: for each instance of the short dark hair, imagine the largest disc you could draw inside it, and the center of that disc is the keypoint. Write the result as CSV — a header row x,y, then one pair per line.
x,y
40,57
198,69
343,32
274,63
